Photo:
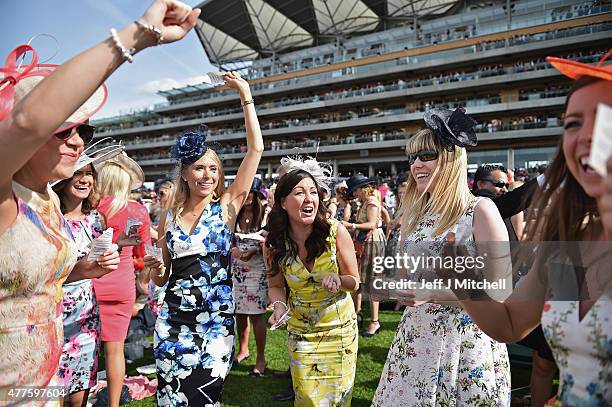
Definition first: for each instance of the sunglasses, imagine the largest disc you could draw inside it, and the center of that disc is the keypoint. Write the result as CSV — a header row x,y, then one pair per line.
x,y
498,184
425,155
86,132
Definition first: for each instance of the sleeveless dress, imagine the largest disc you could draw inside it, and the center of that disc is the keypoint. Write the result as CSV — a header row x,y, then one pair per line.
x,y
322,333
582,350
250,279
79,361
439,356
36,255
194,332
116,291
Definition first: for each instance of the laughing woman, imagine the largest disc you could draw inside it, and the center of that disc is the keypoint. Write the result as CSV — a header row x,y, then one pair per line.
x,y
315,258
439,356
194,333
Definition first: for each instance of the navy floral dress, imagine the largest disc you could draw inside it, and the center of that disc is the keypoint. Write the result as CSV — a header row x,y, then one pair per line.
x,y
194,333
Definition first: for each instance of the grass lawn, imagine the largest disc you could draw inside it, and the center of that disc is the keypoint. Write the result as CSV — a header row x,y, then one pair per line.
x,y
243,390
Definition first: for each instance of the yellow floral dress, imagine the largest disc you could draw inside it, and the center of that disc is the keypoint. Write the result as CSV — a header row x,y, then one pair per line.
x,y
37,253
322,333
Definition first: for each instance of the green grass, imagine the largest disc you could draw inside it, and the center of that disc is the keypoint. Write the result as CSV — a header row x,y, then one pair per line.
x,y
244,391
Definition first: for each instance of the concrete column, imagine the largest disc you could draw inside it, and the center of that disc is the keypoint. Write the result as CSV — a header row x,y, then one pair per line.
x,y
393,168
269,170
335,163
510,158
370,170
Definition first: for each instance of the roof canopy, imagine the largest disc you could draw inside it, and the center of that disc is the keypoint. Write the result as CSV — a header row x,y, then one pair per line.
x,y
242,30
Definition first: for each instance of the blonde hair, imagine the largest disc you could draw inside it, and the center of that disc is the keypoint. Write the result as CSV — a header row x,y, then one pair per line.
x,y
181,190
450,197
114,181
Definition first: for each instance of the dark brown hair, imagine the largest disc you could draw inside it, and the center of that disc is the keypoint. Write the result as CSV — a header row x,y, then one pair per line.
x,y
257,211
563,196
92,200
283,249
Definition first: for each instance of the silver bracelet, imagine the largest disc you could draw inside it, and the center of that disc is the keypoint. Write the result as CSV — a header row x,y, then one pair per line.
x,y
152,30
279,302
126,53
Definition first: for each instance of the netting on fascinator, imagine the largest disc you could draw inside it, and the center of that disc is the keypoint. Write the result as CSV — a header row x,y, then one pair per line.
x,y
451,128
322,172
190,146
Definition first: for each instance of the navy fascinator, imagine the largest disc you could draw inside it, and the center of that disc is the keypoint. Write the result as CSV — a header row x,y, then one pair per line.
x,y
190,146
451,128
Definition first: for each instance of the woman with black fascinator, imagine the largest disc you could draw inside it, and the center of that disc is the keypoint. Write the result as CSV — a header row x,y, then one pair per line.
x,y
194,333
439,356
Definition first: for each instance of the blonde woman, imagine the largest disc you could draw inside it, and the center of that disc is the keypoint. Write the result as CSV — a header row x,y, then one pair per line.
x,y
439,356
115,292
369,241
194,333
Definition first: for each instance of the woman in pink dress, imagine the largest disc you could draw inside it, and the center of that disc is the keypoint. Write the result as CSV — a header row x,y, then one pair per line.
x,y
116,293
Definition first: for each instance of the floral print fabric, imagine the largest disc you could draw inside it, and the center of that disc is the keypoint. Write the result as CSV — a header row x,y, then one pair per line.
x,y
439,356
582,350
194,333
36,255
79,361
250,280
322,333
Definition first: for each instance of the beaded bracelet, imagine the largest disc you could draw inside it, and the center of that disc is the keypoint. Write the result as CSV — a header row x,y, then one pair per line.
x,y
279,302
248,102
152,30
127,54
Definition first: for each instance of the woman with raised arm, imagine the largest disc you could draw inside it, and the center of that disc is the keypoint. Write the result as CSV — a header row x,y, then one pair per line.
x,y
574,206
315,258
39,144
194,333
439,356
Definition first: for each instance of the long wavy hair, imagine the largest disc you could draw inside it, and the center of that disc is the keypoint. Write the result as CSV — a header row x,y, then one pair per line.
x,y
92,200
115,182
181,190
562,211
450,197
283,250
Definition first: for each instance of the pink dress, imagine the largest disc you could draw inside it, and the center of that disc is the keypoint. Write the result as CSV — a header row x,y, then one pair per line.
x,y
116,291
36,255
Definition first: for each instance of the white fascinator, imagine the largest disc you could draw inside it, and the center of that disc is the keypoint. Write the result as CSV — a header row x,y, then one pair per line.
x,y
321,171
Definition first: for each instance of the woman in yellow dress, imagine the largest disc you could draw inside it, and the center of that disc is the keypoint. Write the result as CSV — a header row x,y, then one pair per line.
x,y
315,257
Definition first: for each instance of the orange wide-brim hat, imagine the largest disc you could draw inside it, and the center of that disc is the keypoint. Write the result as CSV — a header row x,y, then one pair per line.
x,y
577,70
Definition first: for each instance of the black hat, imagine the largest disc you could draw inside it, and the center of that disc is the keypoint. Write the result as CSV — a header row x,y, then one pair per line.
x,y
451,128
356,181
256,187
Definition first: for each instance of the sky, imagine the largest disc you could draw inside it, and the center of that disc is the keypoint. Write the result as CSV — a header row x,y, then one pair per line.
x,y
80,24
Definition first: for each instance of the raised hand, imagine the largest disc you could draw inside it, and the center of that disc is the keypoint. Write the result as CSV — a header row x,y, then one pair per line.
x,y
109,261
235,81
174,18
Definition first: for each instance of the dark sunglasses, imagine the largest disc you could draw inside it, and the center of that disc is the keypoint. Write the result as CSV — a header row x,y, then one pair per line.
x,y
498,184
86,132
425,155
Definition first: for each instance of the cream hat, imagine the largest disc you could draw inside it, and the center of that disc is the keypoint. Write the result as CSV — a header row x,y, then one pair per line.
x,y
128,165
17,81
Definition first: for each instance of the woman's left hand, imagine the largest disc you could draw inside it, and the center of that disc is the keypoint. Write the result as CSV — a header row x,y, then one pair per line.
x,y
133,239
606,202
332,283
235,81
109,261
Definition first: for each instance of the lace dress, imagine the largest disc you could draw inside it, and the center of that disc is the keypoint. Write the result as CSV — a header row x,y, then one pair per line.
x,y
439,356
194,333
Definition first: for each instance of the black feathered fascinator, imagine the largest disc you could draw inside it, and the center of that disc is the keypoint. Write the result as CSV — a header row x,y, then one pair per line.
x,y
190,146
451,128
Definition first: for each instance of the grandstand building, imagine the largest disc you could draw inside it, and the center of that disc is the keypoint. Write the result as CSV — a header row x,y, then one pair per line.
x,y
349,80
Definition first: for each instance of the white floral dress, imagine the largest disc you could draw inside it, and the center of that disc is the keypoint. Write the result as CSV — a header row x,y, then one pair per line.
x,y
439,356
582,350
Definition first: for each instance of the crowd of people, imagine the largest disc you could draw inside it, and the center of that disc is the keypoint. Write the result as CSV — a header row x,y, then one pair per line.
x,y
304,249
